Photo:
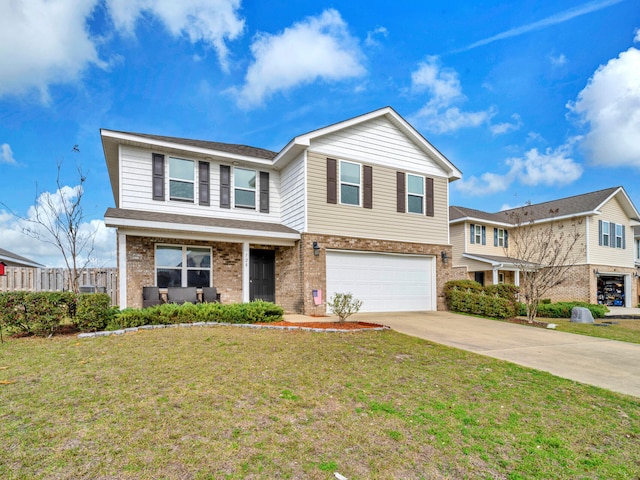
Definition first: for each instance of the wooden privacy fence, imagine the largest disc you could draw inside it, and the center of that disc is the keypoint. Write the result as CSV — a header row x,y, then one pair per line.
x,y
57,279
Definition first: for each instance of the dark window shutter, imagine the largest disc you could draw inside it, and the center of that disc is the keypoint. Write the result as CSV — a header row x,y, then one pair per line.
x,y
203,183
429,190
332,184
612,235
158,176
624,240
599,232
473,233
401,192
484,235
495,237
506,239
264,192
225,186
367,200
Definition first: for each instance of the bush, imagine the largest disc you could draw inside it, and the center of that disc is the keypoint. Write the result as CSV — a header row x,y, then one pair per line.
x,y
94,312
169,313
462,286
344,305
563,309
35,313
503,290
481,304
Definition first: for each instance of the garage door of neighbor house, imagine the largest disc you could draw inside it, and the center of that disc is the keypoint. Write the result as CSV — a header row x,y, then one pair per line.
x,y
384,282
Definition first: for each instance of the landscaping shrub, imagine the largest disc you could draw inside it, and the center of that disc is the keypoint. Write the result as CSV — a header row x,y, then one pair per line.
x,y
481,304
503,290
93,312
344,305
35,313
169,313
462,286
563,309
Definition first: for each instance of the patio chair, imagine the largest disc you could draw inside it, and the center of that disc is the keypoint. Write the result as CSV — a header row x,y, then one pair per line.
x,y
181,295
150,296
210,295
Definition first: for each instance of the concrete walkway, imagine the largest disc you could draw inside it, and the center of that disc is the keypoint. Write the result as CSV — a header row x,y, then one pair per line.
x,y
595,361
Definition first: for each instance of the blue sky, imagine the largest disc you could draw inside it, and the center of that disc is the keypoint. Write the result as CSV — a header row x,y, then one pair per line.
x,y
530,100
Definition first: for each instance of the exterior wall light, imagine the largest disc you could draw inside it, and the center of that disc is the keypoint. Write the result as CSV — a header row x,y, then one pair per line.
x,y
316,249
444,257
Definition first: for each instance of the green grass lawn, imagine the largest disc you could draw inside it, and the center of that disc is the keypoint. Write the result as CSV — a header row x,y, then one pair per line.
x,y
625,330
226,402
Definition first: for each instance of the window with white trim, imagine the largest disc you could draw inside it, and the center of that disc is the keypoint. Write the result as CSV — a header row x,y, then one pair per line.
x,y
415,194
618,243
350,183
244,183
181,179
182,266
478,234
605,233
501,237
500,277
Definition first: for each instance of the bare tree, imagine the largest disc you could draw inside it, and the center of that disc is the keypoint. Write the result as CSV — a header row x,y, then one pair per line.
x,y
57,219
544,250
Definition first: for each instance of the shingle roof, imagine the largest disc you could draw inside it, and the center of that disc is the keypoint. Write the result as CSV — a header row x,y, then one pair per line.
x,y
586,202
11,259
221,147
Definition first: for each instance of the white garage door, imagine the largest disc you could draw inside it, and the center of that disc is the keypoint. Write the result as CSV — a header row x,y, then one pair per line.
x,y
384,282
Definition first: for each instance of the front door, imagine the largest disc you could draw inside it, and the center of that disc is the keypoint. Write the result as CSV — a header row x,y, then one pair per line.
x,y
262,275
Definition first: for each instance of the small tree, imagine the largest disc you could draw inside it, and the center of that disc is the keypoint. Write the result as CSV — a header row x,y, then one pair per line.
x,y
57,219
344,305
544,249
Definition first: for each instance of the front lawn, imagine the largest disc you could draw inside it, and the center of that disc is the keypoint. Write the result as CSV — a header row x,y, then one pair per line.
x,y
623,330
228,402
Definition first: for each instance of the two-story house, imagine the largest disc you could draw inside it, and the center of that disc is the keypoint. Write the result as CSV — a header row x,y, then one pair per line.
x,y
359,206
603,268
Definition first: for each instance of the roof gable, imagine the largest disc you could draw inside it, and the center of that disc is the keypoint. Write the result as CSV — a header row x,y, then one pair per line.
x,y
13,260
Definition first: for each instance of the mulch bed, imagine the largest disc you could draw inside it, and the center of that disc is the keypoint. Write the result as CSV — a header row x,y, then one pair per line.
x,y
326,325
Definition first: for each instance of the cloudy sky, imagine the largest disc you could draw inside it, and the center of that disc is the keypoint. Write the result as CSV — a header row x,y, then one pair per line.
x,y
531,100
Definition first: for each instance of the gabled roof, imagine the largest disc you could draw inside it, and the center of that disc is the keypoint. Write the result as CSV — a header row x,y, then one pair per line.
x,y
301,142
13,260
577,205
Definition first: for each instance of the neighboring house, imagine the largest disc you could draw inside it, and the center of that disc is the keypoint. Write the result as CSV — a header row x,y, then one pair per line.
x,y
604,270
360,206
12,260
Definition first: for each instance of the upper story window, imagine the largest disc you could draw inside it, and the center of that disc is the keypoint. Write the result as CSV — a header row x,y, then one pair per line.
x,y
183,266
478,234
244,187
611,234
637,249
415,194
181,179
350,183
500,238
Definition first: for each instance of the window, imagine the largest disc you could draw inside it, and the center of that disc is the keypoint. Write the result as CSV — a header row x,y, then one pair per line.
x,y
478,234
501,277
501,237
415,194
181,179
618,243
604,235
178,266
244,187
349,183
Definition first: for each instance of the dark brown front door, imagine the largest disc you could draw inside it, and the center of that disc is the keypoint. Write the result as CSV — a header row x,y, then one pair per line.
x,y
262,275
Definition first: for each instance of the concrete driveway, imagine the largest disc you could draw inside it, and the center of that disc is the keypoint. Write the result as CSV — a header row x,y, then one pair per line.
x,y
596,361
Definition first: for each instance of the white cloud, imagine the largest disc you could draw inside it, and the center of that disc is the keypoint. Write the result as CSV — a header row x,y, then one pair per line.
x,y
554,167
6,154
213,22
316,48
610,106
15,240
42,43
371,40
636,39
558,61
506,127
440,115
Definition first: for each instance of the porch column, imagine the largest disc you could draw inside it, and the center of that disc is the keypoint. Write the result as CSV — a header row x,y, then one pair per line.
x,y
495,276
246,275
122,270
516,278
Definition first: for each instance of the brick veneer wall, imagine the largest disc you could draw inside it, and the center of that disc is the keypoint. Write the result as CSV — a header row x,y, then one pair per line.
x,y
314,274
226,259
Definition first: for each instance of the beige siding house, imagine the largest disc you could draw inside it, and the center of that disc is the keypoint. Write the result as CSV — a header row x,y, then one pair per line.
x,y
360,206
602,263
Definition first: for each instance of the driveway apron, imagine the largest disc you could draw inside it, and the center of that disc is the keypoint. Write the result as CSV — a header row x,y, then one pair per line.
x,y
595,361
